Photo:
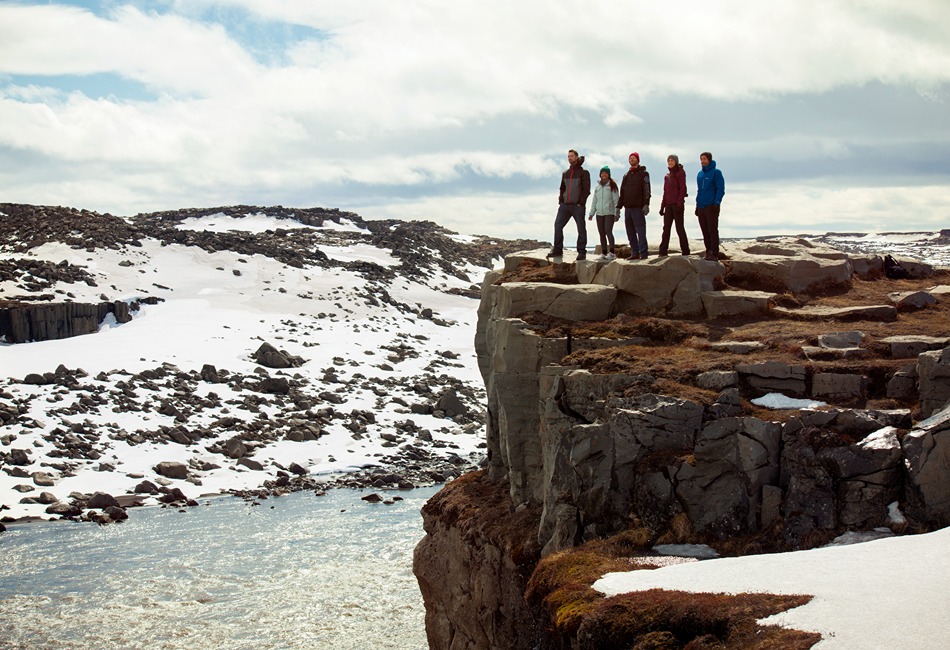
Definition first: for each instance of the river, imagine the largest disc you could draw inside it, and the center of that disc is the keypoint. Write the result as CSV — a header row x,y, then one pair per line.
x,y
299,571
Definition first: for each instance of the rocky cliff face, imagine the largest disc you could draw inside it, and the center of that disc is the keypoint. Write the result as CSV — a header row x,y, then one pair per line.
x,y
20,322
607,427
473,566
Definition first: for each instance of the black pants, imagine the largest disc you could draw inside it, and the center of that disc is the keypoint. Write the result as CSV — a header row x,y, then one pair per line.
x,y
673,214
605,227
709,224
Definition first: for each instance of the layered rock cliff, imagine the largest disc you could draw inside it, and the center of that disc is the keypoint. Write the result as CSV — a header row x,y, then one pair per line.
x,y
619,398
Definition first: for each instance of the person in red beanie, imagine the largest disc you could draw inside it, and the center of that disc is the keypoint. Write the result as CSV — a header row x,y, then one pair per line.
x,y
635,201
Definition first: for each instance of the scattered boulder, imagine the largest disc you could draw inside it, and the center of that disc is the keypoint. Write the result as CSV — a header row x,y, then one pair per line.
x,y
19,457
172,469
146,487
43,479
101,500
269,356
63,509
251,464
450,403
235,448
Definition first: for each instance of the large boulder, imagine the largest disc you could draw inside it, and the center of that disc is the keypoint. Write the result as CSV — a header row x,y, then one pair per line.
x,y
666,285
269,356
736,303
171,469
786,264
574,302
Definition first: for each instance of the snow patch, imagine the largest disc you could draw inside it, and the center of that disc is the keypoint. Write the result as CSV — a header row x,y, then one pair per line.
x,y
780,401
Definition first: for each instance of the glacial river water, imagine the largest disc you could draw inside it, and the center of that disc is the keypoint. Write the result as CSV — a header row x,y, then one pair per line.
x,y
299,571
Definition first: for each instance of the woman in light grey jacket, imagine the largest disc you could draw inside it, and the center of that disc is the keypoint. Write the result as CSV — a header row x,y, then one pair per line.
x,y
605,207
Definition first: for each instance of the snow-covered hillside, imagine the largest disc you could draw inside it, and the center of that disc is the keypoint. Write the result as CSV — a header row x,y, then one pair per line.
x,y
382,370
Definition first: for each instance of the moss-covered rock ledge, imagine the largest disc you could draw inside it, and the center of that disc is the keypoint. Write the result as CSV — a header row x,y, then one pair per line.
x,y
486,588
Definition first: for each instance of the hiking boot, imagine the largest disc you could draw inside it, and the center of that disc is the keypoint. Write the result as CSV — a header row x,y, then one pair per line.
x,y
603,258
554,253
581,255
610,257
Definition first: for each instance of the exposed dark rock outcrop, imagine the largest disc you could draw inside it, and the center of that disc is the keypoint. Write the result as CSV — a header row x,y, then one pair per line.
x,y
21,322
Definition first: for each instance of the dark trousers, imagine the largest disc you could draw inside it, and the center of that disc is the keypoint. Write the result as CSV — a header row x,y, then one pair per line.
x,y
605,226
636,224
709,224
565,213
673,214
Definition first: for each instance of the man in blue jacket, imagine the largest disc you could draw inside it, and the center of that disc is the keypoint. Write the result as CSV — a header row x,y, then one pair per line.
x,y
711,187
575,188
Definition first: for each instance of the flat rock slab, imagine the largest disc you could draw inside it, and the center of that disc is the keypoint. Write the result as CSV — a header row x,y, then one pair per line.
x,y
795,264
911,345
911,299
879,313
843,340
735,303
819,353
738,347
569,301
539,257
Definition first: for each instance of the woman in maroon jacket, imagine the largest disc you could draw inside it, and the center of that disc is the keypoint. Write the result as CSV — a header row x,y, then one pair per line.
x,y
674,198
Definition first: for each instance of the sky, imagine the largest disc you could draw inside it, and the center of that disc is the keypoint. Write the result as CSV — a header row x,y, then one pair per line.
x,y
823,117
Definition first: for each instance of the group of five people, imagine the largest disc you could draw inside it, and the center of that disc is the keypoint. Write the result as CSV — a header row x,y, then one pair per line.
x,y
633,196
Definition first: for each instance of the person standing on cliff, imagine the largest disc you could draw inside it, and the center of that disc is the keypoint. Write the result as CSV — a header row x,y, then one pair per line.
x,y
673,205
572,201
710,188
605,208
635,201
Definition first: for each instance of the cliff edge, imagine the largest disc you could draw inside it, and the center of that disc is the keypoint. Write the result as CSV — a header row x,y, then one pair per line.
x,y
770,400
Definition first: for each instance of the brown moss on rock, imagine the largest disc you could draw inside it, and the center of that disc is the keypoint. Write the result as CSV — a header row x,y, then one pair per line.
x,y
537,271
580,616
479,508
674,619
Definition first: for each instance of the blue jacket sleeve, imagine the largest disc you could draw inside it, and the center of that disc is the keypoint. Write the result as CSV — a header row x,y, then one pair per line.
x,y
720,188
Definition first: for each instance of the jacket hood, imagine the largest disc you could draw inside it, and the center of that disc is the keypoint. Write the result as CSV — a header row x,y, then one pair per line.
x,y
580,161
711,166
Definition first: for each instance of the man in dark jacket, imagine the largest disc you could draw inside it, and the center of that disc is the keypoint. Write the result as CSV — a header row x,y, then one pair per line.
x,y
575,188
710,188
635,201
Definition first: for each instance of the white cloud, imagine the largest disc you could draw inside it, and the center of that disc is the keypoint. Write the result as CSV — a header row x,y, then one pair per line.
x,y
429,97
